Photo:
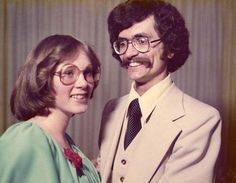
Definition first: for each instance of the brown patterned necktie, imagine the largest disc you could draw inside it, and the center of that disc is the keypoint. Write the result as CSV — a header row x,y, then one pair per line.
x,y
134,122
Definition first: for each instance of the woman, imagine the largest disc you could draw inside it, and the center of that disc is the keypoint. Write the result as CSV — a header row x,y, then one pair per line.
x,y
56,82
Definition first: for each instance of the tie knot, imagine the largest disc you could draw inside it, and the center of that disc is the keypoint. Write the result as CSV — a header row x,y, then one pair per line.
x,y
134,109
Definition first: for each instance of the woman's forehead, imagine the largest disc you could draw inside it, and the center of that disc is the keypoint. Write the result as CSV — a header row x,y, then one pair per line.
x,y
81,60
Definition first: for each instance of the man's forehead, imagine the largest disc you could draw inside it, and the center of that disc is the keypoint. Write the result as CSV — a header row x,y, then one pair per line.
x,y
145,28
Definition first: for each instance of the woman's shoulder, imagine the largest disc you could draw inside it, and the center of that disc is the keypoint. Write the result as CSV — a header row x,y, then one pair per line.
x,y
23,129
23,135
24,147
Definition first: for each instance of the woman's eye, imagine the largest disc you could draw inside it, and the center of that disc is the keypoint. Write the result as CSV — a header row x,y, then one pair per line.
x,y
68,73
88,72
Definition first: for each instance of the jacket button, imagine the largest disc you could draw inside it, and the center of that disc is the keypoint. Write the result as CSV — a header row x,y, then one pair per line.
x,y
122,179
123,161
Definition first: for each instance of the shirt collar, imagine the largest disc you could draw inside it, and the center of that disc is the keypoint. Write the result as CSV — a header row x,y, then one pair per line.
x,y
150,98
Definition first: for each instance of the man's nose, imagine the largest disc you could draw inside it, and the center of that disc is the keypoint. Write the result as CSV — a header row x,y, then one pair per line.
x,y
131,51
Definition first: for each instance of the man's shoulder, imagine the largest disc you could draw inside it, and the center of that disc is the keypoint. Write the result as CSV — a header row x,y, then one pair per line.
x,y
193,104
193,108
114,108
117,101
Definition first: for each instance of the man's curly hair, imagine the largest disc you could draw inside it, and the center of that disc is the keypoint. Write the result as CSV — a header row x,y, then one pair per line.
x,y
169,25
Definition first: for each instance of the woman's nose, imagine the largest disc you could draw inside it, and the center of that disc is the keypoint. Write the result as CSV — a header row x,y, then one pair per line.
x,y
81,81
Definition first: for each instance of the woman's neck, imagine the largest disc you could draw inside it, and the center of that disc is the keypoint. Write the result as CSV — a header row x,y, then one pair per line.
x,y
55,126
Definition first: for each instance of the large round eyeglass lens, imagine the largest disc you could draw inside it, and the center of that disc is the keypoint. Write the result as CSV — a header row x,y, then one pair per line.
x,y
141,44
120,46
69,74
97,77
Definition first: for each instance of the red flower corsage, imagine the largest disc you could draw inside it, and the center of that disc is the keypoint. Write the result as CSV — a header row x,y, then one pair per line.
x,y
75,160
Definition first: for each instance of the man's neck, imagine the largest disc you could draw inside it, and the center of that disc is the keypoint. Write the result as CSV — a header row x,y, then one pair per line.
x,y
141,88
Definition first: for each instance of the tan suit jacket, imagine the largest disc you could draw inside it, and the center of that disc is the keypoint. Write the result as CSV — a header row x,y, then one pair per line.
x,y
180,143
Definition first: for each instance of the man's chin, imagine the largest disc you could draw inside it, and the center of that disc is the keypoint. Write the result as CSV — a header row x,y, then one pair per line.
x,y
135,76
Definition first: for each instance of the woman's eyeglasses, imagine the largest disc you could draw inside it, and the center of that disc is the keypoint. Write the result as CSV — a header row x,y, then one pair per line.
x,y
69,74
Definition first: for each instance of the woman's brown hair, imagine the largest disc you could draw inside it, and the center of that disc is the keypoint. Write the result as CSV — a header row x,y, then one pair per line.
x,y
32,94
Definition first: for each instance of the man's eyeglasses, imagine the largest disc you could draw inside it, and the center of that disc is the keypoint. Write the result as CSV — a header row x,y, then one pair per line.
x,y
141,44
69,74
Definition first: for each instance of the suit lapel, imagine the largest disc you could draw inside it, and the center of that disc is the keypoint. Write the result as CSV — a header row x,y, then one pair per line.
x,y
157,136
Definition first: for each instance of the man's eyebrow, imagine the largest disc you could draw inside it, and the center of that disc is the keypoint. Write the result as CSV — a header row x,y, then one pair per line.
x,y
142,34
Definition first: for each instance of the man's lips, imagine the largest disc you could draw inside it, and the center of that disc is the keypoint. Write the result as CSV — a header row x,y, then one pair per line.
x,y
136,62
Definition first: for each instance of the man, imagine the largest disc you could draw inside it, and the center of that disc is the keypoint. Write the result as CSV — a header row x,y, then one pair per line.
x,y
172,137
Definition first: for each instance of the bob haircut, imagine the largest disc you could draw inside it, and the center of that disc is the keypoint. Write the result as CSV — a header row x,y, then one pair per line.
x,y
33,91
169,24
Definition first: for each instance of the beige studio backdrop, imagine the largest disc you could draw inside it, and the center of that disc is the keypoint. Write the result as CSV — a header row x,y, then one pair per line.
x,y
208,75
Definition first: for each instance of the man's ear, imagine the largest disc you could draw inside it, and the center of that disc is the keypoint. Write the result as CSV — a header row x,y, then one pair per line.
x,y
170,55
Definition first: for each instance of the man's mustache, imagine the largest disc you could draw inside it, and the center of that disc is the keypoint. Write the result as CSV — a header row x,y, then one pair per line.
x,y
145,61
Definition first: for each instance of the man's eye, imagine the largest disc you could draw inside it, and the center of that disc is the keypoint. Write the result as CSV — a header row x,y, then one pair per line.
x,y
122,44
142,40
